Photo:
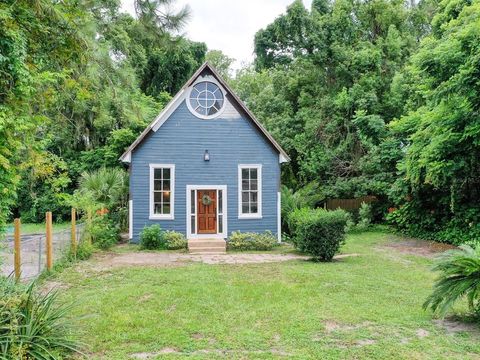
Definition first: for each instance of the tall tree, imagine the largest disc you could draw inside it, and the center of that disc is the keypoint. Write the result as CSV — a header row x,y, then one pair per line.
x,y
439,186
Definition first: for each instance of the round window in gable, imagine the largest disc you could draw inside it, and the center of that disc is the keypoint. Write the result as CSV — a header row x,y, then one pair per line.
x,y
206,99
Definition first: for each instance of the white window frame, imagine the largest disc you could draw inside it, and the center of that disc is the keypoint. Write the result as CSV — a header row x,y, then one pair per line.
x,y
213,81
170,216
218,235
258,215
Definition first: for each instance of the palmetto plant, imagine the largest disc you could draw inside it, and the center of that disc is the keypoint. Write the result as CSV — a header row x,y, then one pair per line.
x,y
106,186
308,196
32,325
459,278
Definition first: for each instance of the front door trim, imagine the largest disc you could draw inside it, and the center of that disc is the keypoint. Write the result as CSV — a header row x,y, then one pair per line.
x,y
222,235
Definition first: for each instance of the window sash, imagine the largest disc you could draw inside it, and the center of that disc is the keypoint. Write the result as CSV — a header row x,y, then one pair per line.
x,y
250,190
161,191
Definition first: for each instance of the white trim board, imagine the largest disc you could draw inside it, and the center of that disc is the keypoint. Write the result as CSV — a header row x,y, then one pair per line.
x,y
130,219
279,217
258,215
152,215
222,235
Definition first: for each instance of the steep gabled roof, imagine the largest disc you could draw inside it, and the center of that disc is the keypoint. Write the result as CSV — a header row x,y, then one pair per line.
x,y
175,102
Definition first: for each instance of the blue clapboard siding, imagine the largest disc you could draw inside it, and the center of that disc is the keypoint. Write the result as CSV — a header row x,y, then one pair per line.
x,y
182,140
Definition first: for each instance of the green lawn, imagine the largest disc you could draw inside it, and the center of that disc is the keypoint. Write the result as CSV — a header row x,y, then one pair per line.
x,y
368,306
33,228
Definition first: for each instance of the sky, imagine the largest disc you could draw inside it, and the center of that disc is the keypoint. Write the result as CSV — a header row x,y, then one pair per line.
x,y
229,25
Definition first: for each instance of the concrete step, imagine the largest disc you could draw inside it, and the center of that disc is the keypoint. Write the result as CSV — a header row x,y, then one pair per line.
x,y
202,244
207,246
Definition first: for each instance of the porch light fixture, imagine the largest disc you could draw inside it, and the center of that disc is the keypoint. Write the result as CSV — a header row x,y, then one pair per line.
x,y
206,156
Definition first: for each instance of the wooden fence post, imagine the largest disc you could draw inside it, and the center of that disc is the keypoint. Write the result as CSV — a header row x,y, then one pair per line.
x,y
17,260
74,233
48,218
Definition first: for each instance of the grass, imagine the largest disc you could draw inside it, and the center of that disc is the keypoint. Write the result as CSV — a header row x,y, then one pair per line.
x,y
34,228
367,306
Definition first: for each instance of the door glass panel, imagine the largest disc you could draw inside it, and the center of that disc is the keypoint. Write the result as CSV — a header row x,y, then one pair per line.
x,y
192,223
220,224
220,201
192,202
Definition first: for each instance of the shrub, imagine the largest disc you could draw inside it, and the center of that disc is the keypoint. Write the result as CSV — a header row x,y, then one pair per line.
x,y
103,232
319,232
459,278
32,326
251,241
364,216
152,238
175,240
84,250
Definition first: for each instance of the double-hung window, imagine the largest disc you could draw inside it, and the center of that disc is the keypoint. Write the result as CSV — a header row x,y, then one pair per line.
x,y
162,187
250,191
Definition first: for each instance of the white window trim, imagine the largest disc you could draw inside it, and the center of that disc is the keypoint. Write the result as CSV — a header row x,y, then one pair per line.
x,y
170,216
222,235
213,81
258,215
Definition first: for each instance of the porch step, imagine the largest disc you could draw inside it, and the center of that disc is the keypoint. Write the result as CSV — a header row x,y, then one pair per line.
x,y
207,246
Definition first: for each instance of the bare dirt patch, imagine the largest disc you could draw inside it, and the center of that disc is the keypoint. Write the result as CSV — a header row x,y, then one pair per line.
x,y
453,326
163,259
418,247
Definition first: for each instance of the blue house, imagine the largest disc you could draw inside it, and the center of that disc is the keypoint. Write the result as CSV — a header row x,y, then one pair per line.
x,y
205,167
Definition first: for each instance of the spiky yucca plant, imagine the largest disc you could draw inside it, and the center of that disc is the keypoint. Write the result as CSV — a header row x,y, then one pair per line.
x,y
32,324
459,278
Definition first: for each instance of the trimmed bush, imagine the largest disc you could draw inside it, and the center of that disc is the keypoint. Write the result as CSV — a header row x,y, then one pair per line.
x,y
175,240
32,325
152,238
251,241
319,232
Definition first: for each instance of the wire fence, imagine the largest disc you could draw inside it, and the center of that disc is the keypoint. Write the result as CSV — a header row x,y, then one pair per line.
x,y
33,251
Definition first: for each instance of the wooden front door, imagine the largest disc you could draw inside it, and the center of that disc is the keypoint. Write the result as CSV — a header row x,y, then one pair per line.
x,y
207,211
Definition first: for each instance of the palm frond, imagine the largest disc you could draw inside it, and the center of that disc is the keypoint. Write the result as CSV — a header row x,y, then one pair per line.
x,y
459,278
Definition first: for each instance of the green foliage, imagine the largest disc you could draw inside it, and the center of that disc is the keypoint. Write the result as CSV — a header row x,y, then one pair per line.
x,y
32,324
308,196
221,62
459,278
103,231
438,186
364,216
251,241
84,250
152,238
319,232
175,240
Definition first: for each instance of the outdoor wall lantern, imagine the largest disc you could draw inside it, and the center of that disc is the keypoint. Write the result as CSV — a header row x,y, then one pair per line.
x,y
206,156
